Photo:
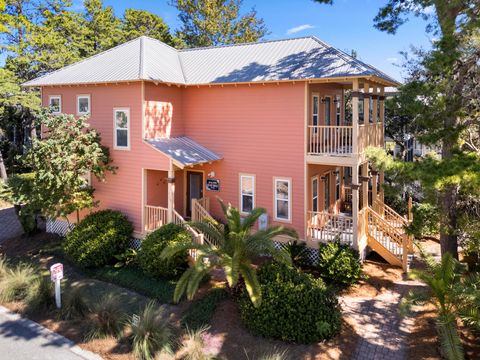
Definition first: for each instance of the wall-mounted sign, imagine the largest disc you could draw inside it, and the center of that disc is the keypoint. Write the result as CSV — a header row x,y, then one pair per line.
x,y
212,184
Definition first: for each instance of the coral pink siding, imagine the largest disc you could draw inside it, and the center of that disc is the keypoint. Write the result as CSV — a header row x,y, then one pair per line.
x,y
123,190
258,130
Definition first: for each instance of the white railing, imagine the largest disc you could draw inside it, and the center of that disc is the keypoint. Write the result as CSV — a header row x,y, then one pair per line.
x,y
155,217
370,134
327,227
199,213
336,140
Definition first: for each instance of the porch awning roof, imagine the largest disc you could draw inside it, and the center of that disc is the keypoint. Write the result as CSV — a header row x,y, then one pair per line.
x,y
184,151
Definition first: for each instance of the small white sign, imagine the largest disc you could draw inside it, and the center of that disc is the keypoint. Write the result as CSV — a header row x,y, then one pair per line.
x,y
56,272
135,320
263,222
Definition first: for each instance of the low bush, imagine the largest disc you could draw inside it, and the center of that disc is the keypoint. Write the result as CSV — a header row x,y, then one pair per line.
x,y
149,255
201,311
40,294
151,333
134,279
98,238
74,305
16,282
297,251
339,263
295,306
107,319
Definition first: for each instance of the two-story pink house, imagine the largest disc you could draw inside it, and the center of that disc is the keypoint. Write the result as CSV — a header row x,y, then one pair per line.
x,y
258,125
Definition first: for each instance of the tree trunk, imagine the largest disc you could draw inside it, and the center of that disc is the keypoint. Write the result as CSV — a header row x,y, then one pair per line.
x,y
3,172
448,226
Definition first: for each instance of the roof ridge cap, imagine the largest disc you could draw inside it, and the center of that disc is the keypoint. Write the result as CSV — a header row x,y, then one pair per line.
x,y
141,70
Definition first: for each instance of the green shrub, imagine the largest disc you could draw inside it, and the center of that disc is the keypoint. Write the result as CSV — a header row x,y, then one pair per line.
x,y
107,318
339,263
16,282
153,245
98,238
201,311
295,306
297,252
152,333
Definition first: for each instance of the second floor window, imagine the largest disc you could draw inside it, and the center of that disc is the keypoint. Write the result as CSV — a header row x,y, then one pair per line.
x,y
55,104
122,128
328,102
361,109
247,193
83,104
315,101
338,111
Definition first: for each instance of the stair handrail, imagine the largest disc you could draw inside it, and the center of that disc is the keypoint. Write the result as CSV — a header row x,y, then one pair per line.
x,y
199,213
401,239
389,214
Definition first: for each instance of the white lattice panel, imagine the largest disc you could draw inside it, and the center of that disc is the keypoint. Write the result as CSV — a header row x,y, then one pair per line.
x,y
60,227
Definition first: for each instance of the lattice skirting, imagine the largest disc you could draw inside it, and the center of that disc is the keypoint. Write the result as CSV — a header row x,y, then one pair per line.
x,y
312,254
60,227
135,243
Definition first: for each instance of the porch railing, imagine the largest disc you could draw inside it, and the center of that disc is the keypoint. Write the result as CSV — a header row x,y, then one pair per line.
x,y
327,227
200,213
336,140
370,134
155,217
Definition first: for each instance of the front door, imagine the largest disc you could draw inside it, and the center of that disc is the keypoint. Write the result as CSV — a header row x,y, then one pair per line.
x,y
194,189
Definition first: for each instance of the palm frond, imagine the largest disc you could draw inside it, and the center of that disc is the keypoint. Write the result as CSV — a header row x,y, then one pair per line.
x,y
178,247
449,337
209,229
182,284
413,298
251,283
251,218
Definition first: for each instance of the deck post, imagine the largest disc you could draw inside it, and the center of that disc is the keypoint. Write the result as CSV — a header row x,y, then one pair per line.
x,y
374,190
355,93
381,180
355,187
364,185
171,192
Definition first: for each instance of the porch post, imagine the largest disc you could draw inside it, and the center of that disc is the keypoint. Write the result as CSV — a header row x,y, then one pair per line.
x,y
355,94
171,192
374,190
381,179
364,185
355,187
366,104
381,98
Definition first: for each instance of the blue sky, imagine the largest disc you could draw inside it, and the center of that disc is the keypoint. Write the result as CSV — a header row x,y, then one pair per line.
x,y
348,24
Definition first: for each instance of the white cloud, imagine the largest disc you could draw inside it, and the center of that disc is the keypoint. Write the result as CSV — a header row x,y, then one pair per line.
x,y
429,10
392,60
299,28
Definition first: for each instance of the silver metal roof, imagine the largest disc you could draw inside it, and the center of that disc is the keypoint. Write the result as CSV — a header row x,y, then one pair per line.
x,y
184,151
145,58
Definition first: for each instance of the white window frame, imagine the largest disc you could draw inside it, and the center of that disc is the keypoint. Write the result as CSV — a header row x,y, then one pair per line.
x,y
115,110
338,111
317,179
84,96
289,199
59,97
241,176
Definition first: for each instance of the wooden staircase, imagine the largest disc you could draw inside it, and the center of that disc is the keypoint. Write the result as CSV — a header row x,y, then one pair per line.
x,y
386,235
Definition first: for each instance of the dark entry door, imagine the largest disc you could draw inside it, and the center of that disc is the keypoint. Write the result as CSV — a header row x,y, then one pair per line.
x,y
194,189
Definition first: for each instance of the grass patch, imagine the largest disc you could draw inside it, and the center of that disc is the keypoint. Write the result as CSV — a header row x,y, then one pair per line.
x,y
134,279
200,312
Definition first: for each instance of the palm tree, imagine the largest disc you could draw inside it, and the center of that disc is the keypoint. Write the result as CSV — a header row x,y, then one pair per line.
x,y
233,248
442,279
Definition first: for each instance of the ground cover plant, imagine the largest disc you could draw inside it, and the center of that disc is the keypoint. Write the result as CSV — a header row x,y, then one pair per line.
x,y
201,311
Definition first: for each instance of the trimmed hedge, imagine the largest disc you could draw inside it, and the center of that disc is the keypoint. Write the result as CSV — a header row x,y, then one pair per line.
x,y
339,263
295,306
153,245
97,238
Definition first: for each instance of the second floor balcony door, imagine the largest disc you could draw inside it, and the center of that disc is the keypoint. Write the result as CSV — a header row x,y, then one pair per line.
x,y
194,189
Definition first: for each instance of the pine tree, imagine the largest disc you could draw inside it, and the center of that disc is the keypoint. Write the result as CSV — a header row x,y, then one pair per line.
x,y
136,23
217,22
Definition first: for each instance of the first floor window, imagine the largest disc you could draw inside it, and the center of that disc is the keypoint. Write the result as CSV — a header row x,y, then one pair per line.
x,y
55,104
315,194
247,193
83,104
122,128
282,199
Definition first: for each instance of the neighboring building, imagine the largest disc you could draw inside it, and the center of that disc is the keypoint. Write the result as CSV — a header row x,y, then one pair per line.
x,y
258,125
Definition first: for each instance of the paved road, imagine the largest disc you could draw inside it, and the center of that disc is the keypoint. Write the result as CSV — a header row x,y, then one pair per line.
x,y
9,224
23,339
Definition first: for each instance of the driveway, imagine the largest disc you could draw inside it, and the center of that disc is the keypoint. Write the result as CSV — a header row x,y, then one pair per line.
x,y
9,224
23,339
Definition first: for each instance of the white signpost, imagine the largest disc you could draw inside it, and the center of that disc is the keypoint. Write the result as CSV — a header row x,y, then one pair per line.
x,y
56,274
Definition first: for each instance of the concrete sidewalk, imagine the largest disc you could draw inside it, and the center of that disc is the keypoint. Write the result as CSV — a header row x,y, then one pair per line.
x,y
23,339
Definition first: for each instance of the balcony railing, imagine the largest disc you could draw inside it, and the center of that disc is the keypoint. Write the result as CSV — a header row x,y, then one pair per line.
x,y
326,227
338,140
331,140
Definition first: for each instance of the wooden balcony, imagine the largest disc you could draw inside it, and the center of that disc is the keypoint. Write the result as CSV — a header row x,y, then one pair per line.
x,y
325,227
328,140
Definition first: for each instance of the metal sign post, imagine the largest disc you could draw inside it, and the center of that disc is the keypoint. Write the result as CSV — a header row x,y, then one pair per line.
x,y
56,275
